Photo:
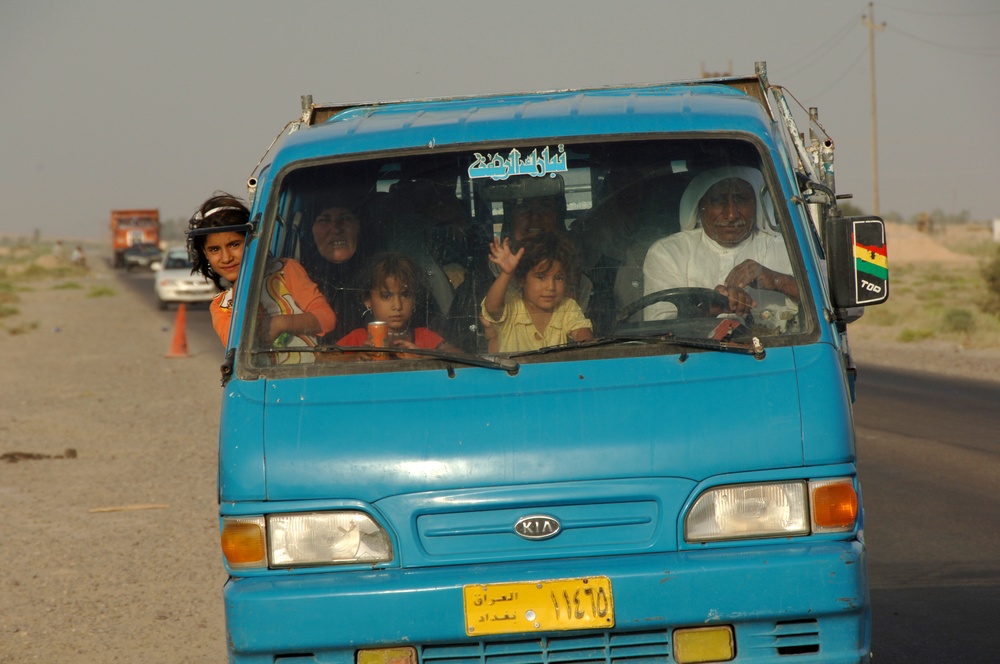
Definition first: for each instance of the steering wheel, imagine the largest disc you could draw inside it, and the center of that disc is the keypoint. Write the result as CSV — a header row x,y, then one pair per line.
x,y
690,302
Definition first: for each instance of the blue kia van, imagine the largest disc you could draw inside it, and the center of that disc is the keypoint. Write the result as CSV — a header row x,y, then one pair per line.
x,y
677,483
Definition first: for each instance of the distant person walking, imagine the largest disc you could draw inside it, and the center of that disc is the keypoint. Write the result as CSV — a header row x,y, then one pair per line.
x,y
78,258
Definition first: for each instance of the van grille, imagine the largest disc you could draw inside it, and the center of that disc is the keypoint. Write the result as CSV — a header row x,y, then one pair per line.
x,y
626,526
604,648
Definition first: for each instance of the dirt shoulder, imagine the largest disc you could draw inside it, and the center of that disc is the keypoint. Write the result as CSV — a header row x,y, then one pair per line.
x,y
111,551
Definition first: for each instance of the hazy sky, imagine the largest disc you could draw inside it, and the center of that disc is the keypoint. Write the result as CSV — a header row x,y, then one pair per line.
x,y
115,104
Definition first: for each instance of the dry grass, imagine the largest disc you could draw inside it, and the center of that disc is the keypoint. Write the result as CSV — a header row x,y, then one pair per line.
x,y
23,266
938,300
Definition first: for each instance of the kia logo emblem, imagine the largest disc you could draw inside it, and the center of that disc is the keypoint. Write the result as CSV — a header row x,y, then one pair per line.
x,y
537,527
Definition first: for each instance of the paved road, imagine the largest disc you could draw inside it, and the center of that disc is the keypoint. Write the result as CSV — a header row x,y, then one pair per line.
x,y
198,328
929,460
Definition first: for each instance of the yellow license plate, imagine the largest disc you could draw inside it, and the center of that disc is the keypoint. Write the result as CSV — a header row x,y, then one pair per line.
x,y
541,606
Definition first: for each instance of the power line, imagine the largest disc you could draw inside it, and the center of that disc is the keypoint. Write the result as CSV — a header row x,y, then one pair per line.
x,y
838,36
907,10
840,78
868,20
988,51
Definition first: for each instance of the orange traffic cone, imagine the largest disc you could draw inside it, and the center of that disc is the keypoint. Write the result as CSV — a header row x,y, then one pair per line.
x,y
179,347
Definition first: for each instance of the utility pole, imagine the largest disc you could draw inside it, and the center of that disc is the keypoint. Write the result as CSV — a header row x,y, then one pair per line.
x,y
872,27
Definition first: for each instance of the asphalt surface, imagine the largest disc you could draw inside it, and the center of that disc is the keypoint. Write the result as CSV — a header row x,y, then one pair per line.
x,y
930,471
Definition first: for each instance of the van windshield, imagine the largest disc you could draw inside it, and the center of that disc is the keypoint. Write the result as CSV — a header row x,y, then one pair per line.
x,y
521,250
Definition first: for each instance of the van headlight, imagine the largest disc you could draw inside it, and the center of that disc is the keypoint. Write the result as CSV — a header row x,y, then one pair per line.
x,y
778,509
308,539
742,511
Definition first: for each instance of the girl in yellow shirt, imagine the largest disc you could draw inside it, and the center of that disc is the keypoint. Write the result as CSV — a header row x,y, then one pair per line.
x,y
541,314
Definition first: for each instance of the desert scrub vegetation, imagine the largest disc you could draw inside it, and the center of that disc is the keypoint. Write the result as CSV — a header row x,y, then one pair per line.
x,y
22,328
29,266
8,298
8,293
940,302
991,277
23,260
101,291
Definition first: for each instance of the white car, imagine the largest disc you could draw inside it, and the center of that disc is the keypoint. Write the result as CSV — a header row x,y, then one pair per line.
x,y
174,282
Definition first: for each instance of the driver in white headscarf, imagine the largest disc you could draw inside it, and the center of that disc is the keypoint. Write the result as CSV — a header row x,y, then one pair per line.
x,y
724,245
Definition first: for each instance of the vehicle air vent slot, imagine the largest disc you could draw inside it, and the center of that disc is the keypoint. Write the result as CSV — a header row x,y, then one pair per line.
x,y
604,648
796,637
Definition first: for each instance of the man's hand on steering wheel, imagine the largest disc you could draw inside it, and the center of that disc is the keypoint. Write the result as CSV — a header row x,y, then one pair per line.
x,y
740,302
752,273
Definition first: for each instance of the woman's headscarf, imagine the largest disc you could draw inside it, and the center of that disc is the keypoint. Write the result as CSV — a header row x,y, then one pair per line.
x,y
338,282
705,180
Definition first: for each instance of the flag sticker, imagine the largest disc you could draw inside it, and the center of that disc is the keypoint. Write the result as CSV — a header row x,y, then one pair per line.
x,y
870,266
871,260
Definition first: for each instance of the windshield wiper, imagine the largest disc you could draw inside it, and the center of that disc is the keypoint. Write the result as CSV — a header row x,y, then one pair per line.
x,y
753,347
572,345
485,362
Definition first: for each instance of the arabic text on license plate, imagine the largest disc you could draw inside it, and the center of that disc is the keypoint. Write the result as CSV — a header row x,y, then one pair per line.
x,y
507,608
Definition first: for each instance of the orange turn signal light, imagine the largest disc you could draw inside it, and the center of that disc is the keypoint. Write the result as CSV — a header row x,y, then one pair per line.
x,y
243,543
834,505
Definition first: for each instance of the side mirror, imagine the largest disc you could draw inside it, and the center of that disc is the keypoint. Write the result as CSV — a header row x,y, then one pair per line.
x,y
856,260
155,266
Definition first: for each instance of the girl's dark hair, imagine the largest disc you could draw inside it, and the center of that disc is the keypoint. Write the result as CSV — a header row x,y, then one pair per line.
x,y
392,264
548,248
399,265
220,210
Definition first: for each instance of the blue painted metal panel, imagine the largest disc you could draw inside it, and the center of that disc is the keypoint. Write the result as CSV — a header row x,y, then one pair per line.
x,y
396,433
823,582
477,525
241,442
524,118
827,416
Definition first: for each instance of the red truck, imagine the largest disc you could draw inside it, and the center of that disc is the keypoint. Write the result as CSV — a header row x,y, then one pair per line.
x,y
133,227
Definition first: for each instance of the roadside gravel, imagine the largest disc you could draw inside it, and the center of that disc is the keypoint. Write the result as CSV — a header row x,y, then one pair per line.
x,y
141,582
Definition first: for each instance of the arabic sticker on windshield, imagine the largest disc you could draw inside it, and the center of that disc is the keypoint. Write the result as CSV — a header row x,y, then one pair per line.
x,y
537,164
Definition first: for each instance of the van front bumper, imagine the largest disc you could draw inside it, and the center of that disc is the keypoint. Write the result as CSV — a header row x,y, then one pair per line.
x,y
784,602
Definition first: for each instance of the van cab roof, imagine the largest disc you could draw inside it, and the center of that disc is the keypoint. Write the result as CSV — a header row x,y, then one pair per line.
x,y
750,85
418,124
